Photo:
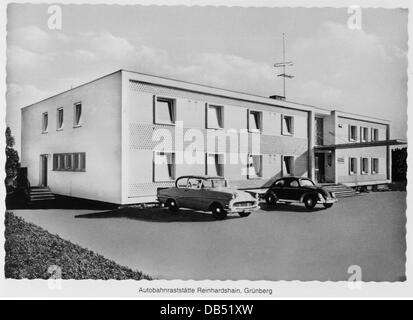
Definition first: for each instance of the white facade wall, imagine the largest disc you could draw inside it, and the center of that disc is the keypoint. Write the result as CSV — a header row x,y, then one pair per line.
x,y
342,156
138,102
99,136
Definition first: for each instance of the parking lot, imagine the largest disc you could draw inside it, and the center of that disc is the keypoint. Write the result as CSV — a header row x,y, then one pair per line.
x,y
282,243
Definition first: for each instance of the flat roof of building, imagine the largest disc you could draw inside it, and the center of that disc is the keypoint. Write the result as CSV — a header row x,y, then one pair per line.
x,y
232,94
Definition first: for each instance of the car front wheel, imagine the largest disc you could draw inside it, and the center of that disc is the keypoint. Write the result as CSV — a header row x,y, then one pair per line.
x,y
171,204
327,205
310,202
218,212
270,198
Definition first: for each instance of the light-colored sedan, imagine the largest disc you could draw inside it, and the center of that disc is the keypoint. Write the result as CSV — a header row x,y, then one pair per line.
x,y
207,194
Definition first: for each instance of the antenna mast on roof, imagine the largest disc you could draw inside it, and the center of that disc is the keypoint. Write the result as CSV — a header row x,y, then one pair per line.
x,y
282,65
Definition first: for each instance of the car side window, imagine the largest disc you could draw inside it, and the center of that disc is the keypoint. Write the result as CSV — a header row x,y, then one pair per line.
x,y
182,183
194,183
279,183
294,184
207,184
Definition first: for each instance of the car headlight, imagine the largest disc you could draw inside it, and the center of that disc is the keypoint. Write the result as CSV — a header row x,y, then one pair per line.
x,y
234,195
320,197
333,194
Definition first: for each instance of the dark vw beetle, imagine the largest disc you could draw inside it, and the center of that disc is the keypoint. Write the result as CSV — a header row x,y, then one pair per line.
x,y
298,189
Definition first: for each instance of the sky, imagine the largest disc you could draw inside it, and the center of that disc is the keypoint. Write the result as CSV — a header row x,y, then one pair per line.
x,y
361,71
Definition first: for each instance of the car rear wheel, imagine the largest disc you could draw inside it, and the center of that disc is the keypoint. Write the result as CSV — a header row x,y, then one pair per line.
x,y
244,214
310,202
327,205
270,198
218,212
171,204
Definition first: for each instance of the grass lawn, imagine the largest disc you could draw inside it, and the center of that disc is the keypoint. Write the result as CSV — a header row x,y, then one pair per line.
x,y
31,251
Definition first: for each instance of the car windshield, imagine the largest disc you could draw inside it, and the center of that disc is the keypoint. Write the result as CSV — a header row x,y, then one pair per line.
x,y
306,183
214,183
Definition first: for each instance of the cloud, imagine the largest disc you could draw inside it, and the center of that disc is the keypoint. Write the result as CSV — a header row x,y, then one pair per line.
x,y
34,39
341,61
23,95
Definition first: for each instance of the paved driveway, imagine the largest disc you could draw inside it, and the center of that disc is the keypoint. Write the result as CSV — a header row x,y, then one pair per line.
x,y
285,243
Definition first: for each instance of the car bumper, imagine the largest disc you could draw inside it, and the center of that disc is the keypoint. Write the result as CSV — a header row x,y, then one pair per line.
x,y
232,209
328,200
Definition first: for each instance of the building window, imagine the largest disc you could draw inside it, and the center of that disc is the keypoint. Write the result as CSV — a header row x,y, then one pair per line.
x,y
69,161
287,125
287,165
59,120
45,122
374,166
254,166
352,135
77,115
215,116
164,166
215,164
254,121
364,165
165,111
374,134
352,165
364,134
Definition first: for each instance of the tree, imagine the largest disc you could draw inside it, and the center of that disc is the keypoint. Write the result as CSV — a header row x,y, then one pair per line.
x,y
399,164
12,162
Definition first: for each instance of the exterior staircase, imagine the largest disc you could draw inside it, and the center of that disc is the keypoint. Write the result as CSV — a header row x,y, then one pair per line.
x,y
37,194
340,190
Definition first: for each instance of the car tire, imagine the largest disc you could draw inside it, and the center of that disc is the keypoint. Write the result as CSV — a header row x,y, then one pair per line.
x,y
171,204
310,202
327,205
218,212
271,198
244,214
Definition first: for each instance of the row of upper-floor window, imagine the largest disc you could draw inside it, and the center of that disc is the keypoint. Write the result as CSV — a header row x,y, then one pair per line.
x,y
165,113
60,118
361,133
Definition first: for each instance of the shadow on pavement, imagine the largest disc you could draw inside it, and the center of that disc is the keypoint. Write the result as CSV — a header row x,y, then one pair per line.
x,y
154,215
60,202
290,208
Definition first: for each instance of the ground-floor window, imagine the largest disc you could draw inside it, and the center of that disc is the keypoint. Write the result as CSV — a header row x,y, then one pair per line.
x,y
69,161
254,166
374,166
364,165
287,165
215,164
164,166
352,165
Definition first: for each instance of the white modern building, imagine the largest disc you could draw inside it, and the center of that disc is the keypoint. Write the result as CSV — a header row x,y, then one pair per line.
x,y
101,140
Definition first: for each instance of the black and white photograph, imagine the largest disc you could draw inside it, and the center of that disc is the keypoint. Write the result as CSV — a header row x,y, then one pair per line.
x,y
150,144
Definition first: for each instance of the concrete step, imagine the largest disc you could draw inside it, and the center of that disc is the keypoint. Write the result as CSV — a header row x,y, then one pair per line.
x,y
39,191
340,190
37,196
40,194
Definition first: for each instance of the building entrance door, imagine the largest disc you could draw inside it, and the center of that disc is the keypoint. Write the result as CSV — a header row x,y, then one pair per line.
x,y
319,165
43,169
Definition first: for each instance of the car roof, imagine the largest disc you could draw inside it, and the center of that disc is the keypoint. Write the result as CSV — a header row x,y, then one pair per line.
x,y
200,177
